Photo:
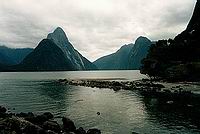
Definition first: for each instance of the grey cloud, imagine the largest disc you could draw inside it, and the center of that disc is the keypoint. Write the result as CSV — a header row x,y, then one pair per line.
x,y
176,16
95,27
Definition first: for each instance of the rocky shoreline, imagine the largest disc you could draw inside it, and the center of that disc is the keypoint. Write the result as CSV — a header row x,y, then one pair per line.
x,y
138,85
29,123
173,93
112,84
177,97
182,97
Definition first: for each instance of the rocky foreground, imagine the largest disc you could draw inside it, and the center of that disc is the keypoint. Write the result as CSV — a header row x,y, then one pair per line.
x,y
29,123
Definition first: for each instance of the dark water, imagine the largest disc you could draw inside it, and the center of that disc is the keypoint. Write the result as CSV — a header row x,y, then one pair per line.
x,y
122,112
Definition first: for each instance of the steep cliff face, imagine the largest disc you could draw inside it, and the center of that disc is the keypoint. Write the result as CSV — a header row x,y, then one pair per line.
x,y
192,32
46,57
55,53
195,20
60,39
127,57
138,52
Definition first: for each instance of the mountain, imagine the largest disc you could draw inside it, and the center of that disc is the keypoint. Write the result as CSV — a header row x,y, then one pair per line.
x,y
195,20
115,61
4,60
55,53
127,57
138,52
176,59
11,56
45,57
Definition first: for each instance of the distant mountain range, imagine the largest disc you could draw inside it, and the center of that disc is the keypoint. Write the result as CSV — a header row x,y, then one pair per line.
x,y
11,56
174,58
128,57
56,53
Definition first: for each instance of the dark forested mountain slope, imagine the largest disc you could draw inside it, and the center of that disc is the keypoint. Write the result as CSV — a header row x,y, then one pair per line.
x,y
12,56
177,59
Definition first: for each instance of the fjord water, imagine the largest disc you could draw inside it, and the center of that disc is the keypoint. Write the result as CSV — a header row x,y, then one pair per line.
x,y
122,112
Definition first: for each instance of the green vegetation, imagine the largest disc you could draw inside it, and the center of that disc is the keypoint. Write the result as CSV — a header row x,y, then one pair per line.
x,y
177,59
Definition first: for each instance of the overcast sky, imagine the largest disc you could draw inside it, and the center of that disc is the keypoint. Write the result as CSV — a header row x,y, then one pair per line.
x,y
94,27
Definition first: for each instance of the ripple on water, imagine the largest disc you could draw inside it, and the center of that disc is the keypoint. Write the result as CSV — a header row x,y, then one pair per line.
x,y
121,112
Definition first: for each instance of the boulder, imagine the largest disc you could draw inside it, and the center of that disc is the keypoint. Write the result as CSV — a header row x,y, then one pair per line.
x,y
33,129
25,115
40,119
80,131
10,125
51,132
68,125
48,115
51,125
2,109
94,131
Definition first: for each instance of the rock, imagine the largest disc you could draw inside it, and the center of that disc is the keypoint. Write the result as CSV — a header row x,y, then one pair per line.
x,y
33,129
13,132
62,80
116,88
40,119
52,125
158,85
2,109
80,131
18,125
25,115
28,123
98,113
116,83
51,132
48,115
94,131
68,125
135,133
68,133
13,124
170,102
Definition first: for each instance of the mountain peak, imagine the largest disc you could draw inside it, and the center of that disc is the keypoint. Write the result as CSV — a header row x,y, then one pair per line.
x,y
55,53
57,34
58,29
142,39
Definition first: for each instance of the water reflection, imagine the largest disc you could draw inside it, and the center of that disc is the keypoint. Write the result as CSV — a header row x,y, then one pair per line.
x,y
53,90
179,118
122,112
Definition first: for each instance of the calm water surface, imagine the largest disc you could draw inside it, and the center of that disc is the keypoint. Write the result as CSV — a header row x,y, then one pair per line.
x,y
122,112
